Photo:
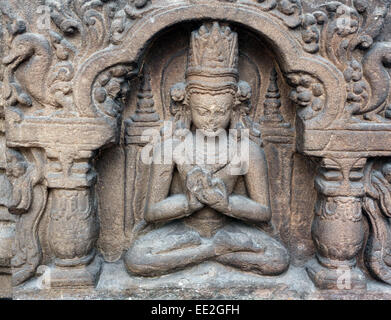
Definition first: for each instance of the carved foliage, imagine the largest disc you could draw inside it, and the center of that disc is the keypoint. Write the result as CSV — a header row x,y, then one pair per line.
x,y
49,61
110,90
124,19
287,10
309,94
346,32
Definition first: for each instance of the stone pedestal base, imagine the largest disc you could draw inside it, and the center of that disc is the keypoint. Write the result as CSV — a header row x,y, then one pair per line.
x,y
5,286
72,277
336,279
207,281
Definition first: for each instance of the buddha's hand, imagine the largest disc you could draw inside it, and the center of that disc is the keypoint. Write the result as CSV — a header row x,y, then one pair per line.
x,y
209,191
194,185
194,204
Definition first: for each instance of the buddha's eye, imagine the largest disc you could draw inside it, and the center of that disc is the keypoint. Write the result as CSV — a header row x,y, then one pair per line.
x,y
202,111
221,111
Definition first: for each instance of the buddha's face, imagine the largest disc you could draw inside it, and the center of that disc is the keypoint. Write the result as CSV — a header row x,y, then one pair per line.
x,y
211,113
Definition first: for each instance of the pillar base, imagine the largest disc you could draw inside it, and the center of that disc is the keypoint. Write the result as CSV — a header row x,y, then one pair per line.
x,y
86,276
343,278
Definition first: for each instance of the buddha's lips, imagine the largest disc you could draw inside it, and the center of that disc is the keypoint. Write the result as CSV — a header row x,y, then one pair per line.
x,y
212,133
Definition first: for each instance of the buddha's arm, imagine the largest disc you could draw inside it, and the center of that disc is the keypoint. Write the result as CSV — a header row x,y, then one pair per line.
x,y
160,206
256,207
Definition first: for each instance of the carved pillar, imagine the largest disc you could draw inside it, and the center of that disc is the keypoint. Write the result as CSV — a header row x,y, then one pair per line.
x,y
278,137
137,128
73,226
65,169
338,230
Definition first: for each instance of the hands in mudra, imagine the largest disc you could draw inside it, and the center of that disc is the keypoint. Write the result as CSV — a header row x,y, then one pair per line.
x,y
203,189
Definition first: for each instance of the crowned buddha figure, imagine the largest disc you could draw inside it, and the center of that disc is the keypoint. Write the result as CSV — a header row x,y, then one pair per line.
x,y
192,200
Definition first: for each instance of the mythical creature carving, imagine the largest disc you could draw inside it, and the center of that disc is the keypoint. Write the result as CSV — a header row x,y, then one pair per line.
x,y
40,68
36,49
345,34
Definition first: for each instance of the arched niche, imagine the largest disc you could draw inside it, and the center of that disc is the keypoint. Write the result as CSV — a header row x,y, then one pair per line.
x,y
288,50
165,59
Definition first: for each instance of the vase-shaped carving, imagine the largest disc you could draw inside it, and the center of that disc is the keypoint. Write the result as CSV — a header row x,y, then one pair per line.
x,y
338,230
73,228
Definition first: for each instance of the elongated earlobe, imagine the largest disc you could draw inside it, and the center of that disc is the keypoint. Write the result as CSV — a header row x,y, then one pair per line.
x,y
243,97
178,97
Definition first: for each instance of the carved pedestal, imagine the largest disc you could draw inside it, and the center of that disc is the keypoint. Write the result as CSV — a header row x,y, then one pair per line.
x,y
337,229
73,227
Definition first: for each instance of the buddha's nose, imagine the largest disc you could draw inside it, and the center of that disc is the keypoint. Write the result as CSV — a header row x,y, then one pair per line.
x,y
212,118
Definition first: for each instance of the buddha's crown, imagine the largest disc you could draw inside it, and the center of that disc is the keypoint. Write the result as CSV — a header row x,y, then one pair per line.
x,y
213,57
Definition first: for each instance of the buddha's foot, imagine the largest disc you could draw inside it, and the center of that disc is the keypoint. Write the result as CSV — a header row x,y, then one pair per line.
x,y
227,242
176,240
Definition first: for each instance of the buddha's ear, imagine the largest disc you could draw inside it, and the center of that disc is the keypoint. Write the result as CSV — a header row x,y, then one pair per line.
x,y
178,97
243,96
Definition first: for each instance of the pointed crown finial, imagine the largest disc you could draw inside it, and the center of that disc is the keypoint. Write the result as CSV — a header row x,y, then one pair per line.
x,y
213,57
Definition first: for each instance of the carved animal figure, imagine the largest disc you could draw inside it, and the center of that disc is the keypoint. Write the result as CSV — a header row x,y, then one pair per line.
x,y
32,55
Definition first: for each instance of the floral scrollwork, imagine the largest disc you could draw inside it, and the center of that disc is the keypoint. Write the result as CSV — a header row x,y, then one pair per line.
x,y
308,93
111,88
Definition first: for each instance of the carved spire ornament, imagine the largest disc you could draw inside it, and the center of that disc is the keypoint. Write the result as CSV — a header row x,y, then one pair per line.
x,y
139,131
145,111
278,137
272,102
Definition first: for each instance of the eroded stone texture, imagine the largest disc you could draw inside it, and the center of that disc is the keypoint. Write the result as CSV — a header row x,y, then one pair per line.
x,y
108,190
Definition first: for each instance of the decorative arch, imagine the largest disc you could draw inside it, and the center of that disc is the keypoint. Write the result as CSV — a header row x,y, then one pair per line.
x,y
290,54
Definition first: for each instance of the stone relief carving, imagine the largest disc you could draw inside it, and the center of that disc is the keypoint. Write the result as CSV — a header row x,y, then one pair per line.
x,y
28,201
89,89
210,100
377,254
